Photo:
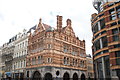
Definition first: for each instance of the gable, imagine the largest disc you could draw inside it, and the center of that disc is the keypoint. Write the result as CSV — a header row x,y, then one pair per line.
x,y
40,27
69,30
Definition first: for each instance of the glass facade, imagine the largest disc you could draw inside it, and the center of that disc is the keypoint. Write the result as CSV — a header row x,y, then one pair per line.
x,y
106,37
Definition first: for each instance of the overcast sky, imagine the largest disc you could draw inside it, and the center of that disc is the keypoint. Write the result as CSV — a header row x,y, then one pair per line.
x,y
16,15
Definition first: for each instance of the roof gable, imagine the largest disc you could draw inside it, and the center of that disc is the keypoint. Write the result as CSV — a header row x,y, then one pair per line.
x,y
40,27
68,29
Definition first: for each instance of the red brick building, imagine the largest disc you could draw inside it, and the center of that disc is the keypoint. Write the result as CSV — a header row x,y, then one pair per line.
x,y
56,53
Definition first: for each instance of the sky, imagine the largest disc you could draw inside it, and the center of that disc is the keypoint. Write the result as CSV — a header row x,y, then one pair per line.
x,y
16,15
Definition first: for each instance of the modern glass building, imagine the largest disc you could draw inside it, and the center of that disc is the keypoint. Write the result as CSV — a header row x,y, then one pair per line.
x,y
106,39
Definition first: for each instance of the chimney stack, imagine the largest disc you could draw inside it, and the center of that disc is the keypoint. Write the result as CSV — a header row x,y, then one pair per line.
x,y
59,22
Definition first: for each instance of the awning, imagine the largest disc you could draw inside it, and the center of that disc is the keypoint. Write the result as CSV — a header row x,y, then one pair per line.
x,y
8,74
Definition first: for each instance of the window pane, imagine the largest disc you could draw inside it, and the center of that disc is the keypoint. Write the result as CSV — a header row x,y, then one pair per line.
x,y
111,11
118,8
114,23
118,61
115,38
95,28
118,14
104,41
117,53
102,23
113,17
114,31
97,45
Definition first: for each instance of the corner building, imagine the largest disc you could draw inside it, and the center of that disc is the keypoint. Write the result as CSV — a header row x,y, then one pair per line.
x,y
106,39
55,53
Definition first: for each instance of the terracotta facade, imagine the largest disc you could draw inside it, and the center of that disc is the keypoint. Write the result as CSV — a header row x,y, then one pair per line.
x,y
58,49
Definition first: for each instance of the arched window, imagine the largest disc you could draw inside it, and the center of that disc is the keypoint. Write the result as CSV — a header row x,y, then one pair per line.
x,y
66,76
75,76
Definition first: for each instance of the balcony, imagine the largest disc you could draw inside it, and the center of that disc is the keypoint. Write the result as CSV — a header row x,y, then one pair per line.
x,y
9,61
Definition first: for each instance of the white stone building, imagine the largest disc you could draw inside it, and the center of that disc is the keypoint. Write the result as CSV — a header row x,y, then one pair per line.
x,y
19,57
7,57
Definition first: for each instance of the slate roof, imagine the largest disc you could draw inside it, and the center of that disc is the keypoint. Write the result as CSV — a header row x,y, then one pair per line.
x,y
32,28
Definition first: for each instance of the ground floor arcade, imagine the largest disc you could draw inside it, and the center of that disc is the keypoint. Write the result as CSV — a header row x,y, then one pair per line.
x,y
54,73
